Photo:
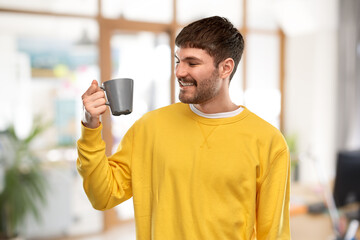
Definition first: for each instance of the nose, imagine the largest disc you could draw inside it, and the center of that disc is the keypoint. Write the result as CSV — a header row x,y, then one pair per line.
x,y
180,71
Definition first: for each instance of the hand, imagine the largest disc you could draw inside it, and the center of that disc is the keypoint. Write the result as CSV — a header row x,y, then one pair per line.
x,y
94,105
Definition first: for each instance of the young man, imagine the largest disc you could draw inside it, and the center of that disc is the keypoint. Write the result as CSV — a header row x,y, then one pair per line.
x,y
201,169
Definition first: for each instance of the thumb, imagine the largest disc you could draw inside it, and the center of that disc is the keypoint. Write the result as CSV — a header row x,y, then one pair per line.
x,y
93,88
94,83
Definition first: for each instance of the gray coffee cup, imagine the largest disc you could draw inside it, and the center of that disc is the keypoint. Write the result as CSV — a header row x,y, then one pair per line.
x,y
119,93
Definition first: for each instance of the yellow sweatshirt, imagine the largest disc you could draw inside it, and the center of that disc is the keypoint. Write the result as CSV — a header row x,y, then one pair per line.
x,y
193,178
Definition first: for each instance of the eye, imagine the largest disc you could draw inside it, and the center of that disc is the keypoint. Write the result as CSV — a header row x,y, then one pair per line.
x,y
193,64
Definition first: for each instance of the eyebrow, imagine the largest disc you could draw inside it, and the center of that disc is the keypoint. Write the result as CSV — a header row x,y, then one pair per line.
x,y
190,58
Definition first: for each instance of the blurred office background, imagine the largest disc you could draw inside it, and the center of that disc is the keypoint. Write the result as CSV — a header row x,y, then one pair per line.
x,y
300,72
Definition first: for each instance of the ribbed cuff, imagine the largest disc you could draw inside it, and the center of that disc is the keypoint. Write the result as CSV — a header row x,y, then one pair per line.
x,y
91,137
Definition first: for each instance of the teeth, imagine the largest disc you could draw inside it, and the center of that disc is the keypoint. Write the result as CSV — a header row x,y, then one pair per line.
x,y
186,84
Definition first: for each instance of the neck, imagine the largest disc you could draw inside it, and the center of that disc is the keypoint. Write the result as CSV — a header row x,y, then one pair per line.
x,y
216,106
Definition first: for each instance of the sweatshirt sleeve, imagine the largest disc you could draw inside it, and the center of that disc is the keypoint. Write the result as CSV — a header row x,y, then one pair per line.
x,y
106,181
272,221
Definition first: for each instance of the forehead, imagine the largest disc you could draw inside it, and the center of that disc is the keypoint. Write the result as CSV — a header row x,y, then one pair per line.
x,y
185,53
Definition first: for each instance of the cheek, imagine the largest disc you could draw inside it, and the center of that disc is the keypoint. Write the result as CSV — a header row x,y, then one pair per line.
x,y
201,74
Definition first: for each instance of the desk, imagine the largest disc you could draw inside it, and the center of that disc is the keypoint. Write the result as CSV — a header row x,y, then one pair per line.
x,y
306,226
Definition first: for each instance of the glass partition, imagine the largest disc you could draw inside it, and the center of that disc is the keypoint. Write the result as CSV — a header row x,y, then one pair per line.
x,y
263,91
138,10
236,88
51,61
82,7
189,10
144,57
261,14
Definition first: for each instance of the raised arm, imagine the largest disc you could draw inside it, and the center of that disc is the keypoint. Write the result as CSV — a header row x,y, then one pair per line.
x,y
106,181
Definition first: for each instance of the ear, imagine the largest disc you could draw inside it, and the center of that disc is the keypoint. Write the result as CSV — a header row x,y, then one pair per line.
x,y
226,67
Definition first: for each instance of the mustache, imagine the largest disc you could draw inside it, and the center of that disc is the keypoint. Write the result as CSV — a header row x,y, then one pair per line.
x,y
187,80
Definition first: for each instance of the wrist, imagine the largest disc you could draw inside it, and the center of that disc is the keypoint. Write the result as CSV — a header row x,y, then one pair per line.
x,y
89,121
91,125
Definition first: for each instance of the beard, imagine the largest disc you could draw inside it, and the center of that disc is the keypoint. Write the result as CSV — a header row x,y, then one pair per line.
x,y
204,91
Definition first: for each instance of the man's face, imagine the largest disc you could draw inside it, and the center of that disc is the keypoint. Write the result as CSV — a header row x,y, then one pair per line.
x,y
197,76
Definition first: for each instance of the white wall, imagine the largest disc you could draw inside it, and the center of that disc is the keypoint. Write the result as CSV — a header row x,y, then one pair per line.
x,y
310,91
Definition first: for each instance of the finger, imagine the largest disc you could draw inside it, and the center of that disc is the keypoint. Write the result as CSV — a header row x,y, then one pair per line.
x,y
96,112
94,82
96,95
93,101
94,87
102,109
98,103
89,99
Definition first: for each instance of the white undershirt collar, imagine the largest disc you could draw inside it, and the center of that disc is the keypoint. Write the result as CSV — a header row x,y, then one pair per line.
x,y
216,115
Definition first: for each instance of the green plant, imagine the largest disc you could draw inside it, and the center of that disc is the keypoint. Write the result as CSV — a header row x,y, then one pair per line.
x,y
24,183
292,142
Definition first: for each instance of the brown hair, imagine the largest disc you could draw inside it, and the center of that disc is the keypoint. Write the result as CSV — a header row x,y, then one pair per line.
x,y
217,36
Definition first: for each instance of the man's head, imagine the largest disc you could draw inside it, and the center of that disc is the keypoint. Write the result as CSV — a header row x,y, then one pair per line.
x,y
217,36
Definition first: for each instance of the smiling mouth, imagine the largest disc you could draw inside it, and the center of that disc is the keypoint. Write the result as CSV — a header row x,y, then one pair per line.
x,y
186,84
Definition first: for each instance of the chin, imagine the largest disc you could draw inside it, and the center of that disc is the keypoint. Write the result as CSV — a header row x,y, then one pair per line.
x,y
188,101
185,99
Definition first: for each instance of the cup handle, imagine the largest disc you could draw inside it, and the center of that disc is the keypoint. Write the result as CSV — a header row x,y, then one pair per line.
x,y
107,103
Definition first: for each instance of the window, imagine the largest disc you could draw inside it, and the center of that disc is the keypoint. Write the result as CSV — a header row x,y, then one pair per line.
x,y
139,10
54,6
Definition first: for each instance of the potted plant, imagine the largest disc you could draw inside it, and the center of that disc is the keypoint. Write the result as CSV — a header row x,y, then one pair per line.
x,y
23,184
